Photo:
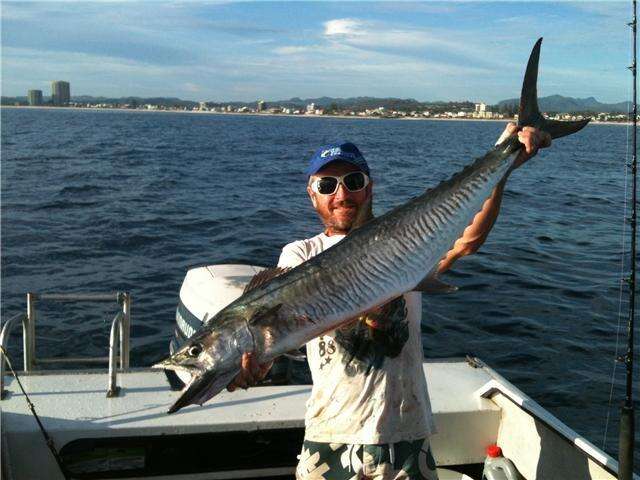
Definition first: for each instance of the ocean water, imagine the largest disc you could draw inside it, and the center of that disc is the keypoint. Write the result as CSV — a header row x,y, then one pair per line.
x,y
99,201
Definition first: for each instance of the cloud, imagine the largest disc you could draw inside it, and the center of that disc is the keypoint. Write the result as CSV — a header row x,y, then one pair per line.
x,y
422,7
89,74
202,51
291,50
119,33
343,26
445,49
605,9
161,33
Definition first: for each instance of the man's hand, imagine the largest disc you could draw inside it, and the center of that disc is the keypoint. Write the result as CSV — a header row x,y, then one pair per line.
x,y
532,139
251,372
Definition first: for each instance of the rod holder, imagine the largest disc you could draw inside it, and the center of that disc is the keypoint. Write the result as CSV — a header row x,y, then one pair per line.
x,y
29,334
124,299
113,390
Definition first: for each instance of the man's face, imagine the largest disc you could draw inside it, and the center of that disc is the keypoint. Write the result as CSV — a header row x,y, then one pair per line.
x,y
339,211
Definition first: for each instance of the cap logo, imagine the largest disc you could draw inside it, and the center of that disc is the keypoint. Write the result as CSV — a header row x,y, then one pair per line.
x,y
331,152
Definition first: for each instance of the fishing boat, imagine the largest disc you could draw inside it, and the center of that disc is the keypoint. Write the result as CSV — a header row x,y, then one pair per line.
x,y
112,423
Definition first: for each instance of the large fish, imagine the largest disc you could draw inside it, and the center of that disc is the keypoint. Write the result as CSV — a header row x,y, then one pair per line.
x,y
386,257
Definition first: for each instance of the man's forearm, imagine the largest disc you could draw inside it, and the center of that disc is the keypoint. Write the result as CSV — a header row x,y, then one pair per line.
x,y
476,233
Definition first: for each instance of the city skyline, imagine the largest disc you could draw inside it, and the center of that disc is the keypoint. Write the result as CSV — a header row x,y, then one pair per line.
x,y
243,52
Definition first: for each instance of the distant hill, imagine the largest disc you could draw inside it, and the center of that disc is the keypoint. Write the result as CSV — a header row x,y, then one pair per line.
x,y
553,103
356,103
558,103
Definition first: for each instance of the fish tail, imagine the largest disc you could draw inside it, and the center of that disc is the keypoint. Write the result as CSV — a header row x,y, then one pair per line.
x,y
529,113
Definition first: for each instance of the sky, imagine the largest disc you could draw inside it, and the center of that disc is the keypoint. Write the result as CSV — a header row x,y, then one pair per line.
x,y
244,51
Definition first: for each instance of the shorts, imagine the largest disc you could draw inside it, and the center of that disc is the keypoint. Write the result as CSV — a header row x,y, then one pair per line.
x,y
392,461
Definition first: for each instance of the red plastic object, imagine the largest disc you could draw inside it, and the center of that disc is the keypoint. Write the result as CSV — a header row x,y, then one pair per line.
x,y
494,451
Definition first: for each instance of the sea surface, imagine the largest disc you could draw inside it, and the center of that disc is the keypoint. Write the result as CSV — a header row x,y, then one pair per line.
x,y
100,201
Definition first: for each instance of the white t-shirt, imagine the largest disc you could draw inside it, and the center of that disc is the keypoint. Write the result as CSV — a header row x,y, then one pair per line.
x,y
368,383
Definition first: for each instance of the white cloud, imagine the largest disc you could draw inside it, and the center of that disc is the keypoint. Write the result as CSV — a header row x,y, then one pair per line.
x,y
401,40
343,26
291,50
59,60
89,74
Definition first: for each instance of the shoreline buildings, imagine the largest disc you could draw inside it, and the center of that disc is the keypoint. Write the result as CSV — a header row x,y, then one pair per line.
x,y
60,93
34,97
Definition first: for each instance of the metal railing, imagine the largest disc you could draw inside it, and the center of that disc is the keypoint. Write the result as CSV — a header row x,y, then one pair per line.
x,y
120,329
5,333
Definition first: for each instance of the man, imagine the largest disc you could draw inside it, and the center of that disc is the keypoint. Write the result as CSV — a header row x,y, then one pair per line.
x,y
369,415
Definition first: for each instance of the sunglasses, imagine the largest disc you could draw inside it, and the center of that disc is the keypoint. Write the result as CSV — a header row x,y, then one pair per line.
x,y
352,181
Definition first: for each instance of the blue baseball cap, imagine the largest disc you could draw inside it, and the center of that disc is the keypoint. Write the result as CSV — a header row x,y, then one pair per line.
x,y
342,150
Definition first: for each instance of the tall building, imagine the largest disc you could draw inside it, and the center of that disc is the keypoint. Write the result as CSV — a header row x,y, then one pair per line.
x,y
261,106
60,92
34,97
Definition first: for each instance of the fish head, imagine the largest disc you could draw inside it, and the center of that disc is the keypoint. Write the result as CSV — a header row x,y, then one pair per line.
x,y
211,359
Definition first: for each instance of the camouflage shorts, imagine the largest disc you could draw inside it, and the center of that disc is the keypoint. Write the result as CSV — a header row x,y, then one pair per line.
x,y
338,461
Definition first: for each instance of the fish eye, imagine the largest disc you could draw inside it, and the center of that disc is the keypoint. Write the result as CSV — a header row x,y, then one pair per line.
x,y
194,350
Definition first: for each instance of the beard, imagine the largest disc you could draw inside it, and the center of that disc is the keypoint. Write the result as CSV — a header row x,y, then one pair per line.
x,y
337,223
340,220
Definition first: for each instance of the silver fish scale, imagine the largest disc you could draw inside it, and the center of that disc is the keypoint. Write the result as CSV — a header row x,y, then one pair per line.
x,y
383,259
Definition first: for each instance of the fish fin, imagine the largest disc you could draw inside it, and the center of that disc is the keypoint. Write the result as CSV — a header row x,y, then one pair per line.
x,y
529,113
431,284
261,278
266,313
174,381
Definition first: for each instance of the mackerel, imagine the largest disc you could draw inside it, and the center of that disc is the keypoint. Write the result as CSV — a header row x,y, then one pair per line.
x,y
386,257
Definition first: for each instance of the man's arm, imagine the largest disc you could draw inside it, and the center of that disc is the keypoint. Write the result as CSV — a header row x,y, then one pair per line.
x,y
476,233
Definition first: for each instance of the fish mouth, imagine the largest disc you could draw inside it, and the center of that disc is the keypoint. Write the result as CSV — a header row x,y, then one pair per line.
x,y
188,396
170,364
191,389
204,384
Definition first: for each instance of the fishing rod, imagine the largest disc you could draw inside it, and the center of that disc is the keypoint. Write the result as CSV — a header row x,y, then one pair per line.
x,y
627,414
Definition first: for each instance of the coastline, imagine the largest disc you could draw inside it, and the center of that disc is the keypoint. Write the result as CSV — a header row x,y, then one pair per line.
x,y
282,115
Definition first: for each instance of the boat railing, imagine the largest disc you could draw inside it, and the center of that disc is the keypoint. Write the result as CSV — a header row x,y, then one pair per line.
x,y
120,334
5,333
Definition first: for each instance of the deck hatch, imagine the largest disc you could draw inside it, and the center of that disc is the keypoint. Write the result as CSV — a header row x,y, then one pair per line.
x,y
124,457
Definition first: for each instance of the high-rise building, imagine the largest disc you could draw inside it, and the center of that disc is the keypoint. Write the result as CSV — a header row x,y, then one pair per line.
x,y
60,92
261,106
481,107
34,97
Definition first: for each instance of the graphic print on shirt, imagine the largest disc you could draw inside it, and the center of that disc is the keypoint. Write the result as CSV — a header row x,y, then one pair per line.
x,y
326,348
374,337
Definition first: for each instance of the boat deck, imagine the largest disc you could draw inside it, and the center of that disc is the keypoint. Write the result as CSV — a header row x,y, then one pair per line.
x,y
470,403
